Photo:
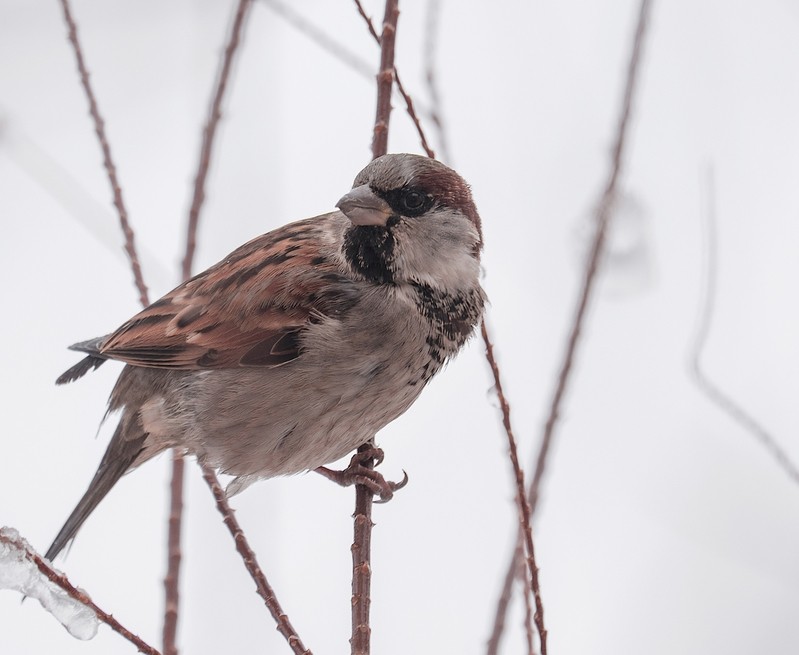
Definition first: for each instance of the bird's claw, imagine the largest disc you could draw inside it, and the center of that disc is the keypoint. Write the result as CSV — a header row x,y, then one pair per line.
x,y
358,473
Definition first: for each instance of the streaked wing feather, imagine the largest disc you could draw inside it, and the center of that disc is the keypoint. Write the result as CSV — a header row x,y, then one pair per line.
x,y
248,310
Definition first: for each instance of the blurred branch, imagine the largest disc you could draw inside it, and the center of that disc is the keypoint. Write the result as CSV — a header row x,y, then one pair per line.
x,y
76,594
603,215
321,38
708,387
108,162
431,75
209,132
262,586
521,500
174,555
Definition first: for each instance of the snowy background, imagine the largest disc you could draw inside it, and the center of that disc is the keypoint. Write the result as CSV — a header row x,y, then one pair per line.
x,y
664,527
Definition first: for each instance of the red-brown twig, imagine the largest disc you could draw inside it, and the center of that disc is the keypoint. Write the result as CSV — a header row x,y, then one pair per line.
x,y
262,586
361,565
603,216
521,499
706,385
172,578
385,79
174,556
409,106
108,162
77,594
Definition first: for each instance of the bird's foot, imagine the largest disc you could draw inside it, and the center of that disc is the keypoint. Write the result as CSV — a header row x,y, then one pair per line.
x,y
359,473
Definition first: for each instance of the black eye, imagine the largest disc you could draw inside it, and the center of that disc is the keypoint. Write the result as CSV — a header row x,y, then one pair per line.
x,y
412,201
407,201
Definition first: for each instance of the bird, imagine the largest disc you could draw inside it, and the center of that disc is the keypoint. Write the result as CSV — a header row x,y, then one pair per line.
x,y
300,345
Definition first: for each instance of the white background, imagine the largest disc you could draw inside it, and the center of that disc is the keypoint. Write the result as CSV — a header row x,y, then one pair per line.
x,y
663,527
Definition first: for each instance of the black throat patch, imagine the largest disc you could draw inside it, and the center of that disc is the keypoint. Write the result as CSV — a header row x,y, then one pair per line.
x,y
369,249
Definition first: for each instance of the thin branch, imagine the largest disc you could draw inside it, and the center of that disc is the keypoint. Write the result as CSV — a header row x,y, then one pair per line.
x,y
79,595
529,633
521,500
361,565
385,79
603,216
498,629
409,106
209,132
174,555
108,162
431,76
712,391
262,586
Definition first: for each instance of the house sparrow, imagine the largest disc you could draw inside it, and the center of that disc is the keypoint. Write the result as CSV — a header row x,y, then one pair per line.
x,y
301,344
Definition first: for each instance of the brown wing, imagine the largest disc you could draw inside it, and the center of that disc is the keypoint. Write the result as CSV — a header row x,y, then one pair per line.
x,y
248,310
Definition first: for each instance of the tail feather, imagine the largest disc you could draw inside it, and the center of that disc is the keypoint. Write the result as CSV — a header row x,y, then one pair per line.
x,y
118,458
93,361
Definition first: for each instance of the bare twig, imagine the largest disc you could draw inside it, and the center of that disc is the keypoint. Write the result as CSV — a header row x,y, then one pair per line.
x,y
498,629
361,565
209,132
529,633
603,216
385,79
108,162
79,595
524,508
262,586
409,106
430,45
712,391
174,555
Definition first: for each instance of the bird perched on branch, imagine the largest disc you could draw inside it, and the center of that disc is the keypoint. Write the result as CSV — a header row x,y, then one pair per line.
x,y
301,344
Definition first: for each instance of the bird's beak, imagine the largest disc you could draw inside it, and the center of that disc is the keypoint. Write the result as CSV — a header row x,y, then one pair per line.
x,y
363,207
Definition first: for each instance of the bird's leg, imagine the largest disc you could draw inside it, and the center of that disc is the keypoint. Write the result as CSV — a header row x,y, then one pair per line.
x,y
358,473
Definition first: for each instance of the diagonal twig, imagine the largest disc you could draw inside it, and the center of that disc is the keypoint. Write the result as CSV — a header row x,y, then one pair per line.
x,y
431,76
79,595
603,215
521,500
262,586
209,132
108,162
706,385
